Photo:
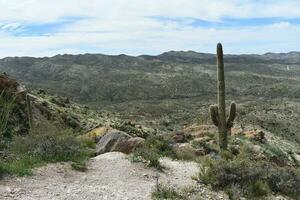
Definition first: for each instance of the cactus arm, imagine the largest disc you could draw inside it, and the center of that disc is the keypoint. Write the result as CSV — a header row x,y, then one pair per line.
x,y
232,115
214,114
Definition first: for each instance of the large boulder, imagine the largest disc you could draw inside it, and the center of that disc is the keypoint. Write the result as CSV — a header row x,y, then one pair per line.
x,y
7,83
120,141
11,86
186,150
97,133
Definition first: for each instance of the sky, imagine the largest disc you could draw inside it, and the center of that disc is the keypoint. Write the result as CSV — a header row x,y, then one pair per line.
x,y
134,27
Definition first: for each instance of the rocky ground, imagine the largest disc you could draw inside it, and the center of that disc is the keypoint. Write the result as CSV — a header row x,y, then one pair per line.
x,y
109,176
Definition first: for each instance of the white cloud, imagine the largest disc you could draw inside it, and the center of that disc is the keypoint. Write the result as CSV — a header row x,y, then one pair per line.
x,y
281,25
124,26
10,26
50,10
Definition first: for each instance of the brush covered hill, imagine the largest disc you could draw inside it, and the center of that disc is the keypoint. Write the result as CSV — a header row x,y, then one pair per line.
x,y
94,78
173,89
170,93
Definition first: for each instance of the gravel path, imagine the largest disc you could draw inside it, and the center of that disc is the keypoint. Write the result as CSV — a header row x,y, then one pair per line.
x,y
110,176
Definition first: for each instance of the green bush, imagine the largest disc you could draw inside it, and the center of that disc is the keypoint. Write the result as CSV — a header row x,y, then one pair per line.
x,y
165,192
284,180
2,170
259,188
251,178
155,147
21,165
79,166
149,156
50,147
7,104
276,154
40,147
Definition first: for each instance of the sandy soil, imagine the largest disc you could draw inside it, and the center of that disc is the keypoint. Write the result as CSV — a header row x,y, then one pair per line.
x,y
109,176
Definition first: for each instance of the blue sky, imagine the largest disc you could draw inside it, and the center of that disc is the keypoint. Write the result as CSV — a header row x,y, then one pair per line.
x,y
50,27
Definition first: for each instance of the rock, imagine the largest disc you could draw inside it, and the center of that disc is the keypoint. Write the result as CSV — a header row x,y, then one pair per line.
x,y
179,137
6,83
132,130
97,133
257,135
13,87
198,131
257,149
237,130
296,158
259,152
108,142
202,139
118,141
187,149
127,146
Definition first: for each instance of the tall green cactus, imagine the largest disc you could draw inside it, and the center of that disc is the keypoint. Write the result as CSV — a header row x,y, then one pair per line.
x,y
218,112
29,111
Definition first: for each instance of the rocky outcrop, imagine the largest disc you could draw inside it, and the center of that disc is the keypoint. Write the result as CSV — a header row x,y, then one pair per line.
x,y
97,133
250,133
133,129
7,83
118,141
179,137
184,149
10,85
199,131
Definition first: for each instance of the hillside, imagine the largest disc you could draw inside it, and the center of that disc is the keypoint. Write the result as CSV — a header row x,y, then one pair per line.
x,y
151,108
172,89
92,78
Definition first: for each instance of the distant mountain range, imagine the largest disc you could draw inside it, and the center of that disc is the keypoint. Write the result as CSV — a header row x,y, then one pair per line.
x,y
93,78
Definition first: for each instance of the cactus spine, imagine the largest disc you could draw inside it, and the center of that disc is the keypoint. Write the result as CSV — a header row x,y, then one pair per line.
x,y
218,112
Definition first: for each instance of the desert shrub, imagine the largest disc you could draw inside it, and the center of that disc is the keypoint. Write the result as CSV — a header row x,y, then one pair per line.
x,y
259,188
248,177
161,143
21,165
40,147
79,166
52,147
154,147
7,103
165,192
275,152
2,170
208,147
187,154
284,180
149,156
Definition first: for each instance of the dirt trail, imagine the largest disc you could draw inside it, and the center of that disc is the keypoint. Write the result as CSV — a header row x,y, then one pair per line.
x,y
109,176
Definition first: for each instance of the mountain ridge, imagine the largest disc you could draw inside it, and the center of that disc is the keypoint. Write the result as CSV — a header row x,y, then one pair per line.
x,y
157,55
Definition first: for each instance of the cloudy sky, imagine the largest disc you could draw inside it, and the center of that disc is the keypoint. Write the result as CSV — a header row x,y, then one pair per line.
x,y
134,27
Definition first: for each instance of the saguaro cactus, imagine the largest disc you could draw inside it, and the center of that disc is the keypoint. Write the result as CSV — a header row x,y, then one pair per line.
x,y
218,112
29,97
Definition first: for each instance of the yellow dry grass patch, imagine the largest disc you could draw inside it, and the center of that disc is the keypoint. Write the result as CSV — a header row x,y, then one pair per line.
x,y
98,132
